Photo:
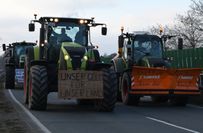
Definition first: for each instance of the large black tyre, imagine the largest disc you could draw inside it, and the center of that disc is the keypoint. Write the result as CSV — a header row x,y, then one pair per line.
x,y
128,99
179,100
107,104
119,98
29,56
10,77
38,88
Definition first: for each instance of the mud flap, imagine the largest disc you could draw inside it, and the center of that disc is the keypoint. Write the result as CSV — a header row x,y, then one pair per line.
x,y
158,81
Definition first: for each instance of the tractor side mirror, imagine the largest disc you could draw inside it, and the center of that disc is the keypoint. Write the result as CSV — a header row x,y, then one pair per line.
x,y
4,47
120,41
104,31
31,27
180,43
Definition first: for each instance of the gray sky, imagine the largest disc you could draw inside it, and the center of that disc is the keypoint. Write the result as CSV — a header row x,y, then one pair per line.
x,y
132,14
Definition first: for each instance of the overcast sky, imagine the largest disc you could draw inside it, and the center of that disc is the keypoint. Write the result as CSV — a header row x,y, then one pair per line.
x,y
132,14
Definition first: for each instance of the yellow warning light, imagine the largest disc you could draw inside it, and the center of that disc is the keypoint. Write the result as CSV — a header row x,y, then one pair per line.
x,y
161,29
122,29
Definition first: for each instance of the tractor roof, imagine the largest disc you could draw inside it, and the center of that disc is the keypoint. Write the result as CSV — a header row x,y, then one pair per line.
x,y
133,35
62,19
141,33
23,43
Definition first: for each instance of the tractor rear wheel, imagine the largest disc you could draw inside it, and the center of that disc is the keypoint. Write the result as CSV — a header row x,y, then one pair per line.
x,y
38,88
119,98
128,99
10,77
107,104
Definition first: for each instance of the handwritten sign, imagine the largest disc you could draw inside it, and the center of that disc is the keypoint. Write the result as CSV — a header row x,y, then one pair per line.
x,y
80,84
19,75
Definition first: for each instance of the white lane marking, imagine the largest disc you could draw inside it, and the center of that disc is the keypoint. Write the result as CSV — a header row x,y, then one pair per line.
x,y
170,124
194,106
39,124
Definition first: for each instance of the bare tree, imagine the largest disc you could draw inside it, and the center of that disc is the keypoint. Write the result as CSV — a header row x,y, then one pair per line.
x,y
197,8
187,28
171,41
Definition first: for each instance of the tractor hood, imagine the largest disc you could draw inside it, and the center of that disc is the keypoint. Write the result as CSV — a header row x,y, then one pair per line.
x,y
73,54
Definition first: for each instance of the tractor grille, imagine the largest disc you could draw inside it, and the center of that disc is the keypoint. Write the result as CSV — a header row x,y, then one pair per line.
x,y
76,54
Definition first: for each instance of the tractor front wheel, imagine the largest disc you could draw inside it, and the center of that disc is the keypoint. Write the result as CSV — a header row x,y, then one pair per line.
x,y
107,104
128,99
38,88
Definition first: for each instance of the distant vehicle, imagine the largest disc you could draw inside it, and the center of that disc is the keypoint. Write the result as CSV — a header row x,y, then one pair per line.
x,y
142,70
14,58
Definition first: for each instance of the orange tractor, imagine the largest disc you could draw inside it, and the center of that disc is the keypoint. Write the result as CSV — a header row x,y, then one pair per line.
x,y
142,70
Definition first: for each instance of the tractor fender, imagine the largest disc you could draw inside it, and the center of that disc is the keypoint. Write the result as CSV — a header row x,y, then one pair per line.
x,y
33,53
119,65
36,53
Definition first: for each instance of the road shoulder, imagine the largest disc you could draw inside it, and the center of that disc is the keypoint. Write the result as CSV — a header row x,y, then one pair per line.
x,y
21,122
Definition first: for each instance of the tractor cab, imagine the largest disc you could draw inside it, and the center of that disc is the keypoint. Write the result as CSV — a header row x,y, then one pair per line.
x,y
15,53
65,40
142,49
19,52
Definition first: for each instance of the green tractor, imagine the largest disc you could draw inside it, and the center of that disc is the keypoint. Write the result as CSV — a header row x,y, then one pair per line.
x,y
66,62
14,58
143,70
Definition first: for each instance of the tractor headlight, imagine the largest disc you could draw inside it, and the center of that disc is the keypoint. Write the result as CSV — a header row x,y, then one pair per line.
x,y
66,57
82,21
85,58
56,20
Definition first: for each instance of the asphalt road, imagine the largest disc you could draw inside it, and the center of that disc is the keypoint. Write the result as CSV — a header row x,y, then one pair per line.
x,y
65,116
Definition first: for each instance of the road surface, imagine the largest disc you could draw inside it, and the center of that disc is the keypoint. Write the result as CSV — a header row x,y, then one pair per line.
x,y
65,116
